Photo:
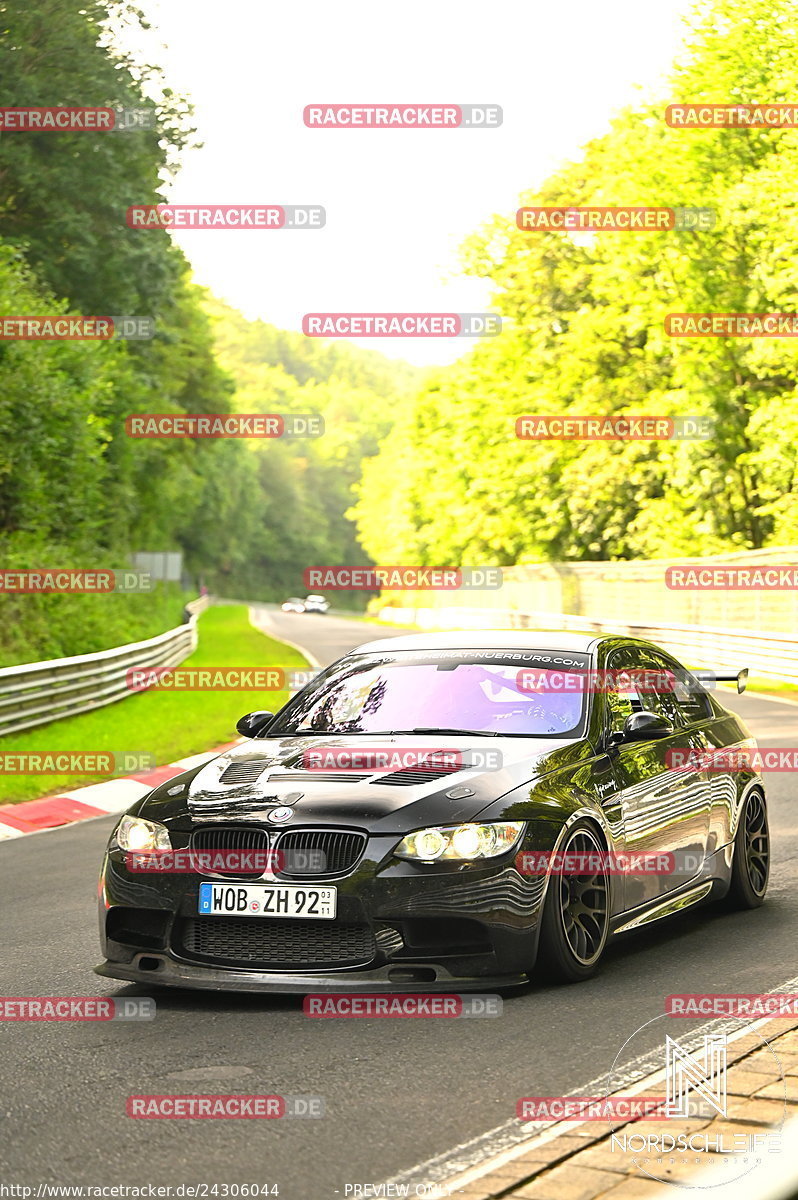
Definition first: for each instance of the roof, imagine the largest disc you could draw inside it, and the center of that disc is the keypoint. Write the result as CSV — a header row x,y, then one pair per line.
x,y
487,639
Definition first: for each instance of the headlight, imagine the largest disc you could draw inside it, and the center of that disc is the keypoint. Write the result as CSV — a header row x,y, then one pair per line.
x,y
134,833
460,842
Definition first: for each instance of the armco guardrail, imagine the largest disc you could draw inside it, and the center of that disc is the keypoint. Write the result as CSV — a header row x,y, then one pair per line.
x,y
37,693
771,654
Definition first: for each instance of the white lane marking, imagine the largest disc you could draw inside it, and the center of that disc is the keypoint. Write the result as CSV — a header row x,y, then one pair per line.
x,y
493,1149
263,613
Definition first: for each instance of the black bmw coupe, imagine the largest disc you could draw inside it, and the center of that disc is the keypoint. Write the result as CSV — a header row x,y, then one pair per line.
x,y
443,812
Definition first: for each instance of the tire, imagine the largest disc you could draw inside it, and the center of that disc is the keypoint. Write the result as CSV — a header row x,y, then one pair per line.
x,y
576,915
751,861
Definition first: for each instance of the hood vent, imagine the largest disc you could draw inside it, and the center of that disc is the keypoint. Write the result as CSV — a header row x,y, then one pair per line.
x,y
248,770
244,770
411,776
319,776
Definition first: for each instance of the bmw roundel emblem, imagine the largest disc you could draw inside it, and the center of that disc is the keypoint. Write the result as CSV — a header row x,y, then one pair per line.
x,y
280,814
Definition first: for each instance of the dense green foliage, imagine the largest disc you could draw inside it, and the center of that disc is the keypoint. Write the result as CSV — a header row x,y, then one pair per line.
x,y
74,489
36,627
302,488
584,335
432,457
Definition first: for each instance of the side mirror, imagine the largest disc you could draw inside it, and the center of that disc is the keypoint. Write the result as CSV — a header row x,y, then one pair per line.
x,y
643,727
253,723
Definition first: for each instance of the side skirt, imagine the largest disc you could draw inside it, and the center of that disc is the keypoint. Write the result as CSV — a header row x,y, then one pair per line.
x,y
668,906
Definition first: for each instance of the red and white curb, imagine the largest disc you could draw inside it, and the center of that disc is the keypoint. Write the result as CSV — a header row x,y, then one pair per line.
x,y
96,800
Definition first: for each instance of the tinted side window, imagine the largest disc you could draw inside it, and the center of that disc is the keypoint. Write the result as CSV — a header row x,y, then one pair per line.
x,y
660,682
664,687
689,696
620,705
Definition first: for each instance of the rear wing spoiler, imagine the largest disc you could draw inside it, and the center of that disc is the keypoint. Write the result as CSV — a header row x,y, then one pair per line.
x,y
710,677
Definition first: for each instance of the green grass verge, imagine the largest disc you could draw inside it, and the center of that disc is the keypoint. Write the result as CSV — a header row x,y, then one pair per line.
x,y
169,725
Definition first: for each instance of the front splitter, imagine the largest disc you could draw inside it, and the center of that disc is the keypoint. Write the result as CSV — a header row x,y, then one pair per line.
x,y
172,973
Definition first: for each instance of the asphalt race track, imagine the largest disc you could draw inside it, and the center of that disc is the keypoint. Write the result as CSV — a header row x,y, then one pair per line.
x,y
397,1092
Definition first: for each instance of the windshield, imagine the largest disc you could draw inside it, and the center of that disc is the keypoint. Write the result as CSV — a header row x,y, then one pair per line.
x,y
477,691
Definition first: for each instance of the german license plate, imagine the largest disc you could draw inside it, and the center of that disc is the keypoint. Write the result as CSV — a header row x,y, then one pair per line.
x,y
267,900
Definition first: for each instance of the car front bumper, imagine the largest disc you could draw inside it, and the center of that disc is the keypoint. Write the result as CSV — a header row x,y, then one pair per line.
x,y
400,927
171,972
